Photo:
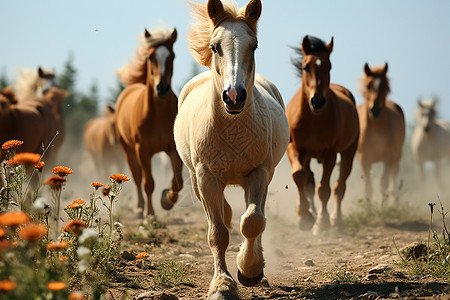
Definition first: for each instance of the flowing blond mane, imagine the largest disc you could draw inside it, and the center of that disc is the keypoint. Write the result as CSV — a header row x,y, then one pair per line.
x,y
27,84
199,36
135,70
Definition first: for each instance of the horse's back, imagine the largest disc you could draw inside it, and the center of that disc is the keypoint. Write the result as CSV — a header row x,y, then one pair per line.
x,y
343,93
264,83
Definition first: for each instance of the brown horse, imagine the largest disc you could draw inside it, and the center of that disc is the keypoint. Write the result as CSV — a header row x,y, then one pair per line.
x,y
34,121
323,122
382,126
146,110
101,142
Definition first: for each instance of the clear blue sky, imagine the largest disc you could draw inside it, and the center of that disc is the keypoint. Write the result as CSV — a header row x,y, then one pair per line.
x,y
412,36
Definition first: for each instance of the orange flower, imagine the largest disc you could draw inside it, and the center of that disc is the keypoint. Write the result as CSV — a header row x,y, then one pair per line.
x,y
7,285
76,296
118,177
141,255
26,158
2,232
39,165
14,218
55,182
138,260
62,171
63,258
11,144
56,286
76,203
75,226
96,185
32,231
57,246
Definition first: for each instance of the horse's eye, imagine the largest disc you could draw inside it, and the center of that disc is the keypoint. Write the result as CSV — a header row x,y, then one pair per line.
x,y
255,47
213,48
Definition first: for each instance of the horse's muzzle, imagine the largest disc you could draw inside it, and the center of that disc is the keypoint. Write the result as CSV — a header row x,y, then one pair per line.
x,y
162,89
317,102
234,100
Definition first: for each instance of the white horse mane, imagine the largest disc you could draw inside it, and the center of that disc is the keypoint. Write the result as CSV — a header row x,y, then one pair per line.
x,y
26,85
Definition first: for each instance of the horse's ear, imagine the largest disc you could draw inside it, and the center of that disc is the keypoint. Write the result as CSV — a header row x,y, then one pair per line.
x,y
41,72
367,70
385,68
253,11
330,45
174,35
147,34
110,108
419,103
215,10
306,45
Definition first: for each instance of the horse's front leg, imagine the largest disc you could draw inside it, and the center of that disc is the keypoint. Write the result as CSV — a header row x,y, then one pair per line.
x,y
211,190
304,179
250,258
145,161
324,192
170,196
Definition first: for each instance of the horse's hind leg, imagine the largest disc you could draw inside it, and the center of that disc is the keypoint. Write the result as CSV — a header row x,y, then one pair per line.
x,y
211,195
304,179
170,196
250,258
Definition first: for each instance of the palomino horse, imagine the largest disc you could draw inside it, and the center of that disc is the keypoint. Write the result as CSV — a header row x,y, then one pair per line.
x,y
230,129
146,110
101,143
431,138
323,122
382,127
32,83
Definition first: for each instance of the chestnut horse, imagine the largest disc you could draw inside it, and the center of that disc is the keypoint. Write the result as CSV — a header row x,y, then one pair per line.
x,y
33,83
145,113
34,121
323,122
382,125
430,140
101,143
230,130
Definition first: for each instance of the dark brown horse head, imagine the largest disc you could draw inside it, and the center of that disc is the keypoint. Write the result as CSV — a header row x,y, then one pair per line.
x,y
315,71
160,61
375,88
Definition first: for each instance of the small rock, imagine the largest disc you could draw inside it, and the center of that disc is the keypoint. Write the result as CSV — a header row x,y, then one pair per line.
x,y
308,279
309,263
153,295
378,269
186,255
371,277
414,251
368,296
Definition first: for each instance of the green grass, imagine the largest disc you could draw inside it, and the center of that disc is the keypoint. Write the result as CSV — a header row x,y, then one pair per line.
x,y
171,274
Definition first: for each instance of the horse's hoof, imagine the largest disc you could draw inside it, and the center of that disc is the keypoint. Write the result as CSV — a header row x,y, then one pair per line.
x,y
247,281
337,222
166,203
223,296
306,223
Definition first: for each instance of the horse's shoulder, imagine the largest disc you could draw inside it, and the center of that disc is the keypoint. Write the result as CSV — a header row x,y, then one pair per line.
x,y
343,92
195,82
396,108
262,82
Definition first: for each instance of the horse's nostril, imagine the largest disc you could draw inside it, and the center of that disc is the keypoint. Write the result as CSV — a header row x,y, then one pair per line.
x,y
242,96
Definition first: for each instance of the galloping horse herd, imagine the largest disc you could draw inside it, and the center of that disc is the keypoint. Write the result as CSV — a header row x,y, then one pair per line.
x,y
229,126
